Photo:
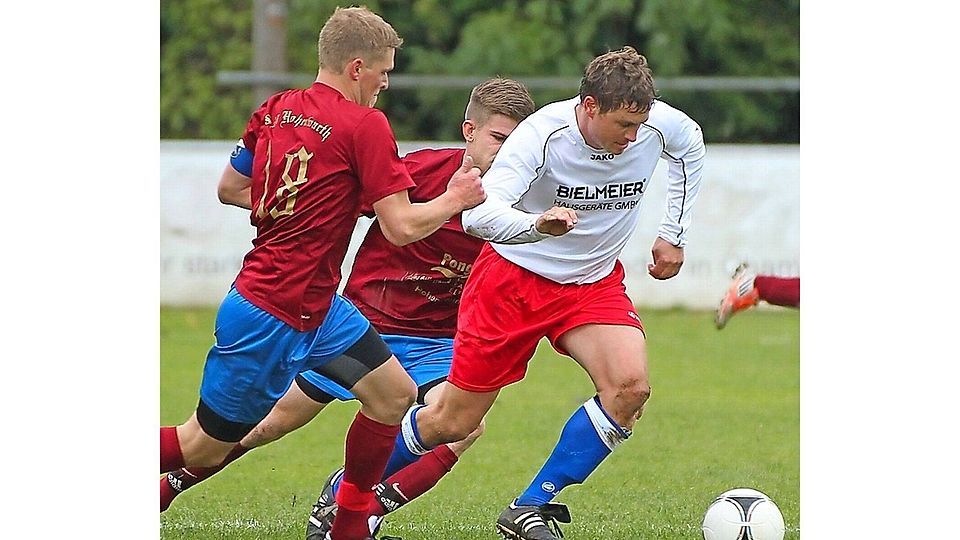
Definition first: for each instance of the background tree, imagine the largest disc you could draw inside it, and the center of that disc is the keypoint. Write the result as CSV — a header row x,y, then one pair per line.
x,y
513,38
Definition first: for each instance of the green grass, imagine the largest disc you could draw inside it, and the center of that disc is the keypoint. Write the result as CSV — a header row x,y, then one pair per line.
x,y
724,413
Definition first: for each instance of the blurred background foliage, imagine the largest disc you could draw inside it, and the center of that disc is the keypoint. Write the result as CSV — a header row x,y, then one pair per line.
x,y
512,38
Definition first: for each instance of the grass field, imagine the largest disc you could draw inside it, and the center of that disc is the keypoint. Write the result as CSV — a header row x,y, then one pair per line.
x,y
724,413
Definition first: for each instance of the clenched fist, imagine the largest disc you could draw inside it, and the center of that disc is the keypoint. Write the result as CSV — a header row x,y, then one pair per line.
x,y
667,260
465,185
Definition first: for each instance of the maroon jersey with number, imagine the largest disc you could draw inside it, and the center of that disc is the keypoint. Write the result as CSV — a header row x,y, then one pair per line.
x,y
415,290
316,158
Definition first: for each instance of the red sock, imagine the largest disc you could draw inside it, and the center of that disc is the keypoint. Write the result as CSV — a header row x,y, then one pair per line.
x,y
170,455
368,447
414,480
184,478
778,291
167,493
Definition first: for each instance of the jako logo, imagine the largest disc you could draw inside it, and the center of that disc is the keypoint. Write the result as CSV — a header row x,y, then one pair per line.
x,y
601,157
548,487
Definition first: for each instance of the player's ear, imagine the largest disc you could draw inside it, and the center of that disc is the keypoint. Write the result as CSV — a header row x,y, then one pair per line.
x,y
590,105
468,128
352,69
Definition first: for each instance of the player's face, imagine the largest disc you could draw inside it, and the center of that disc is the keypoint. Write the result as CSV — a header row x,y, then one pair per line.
x,y
484,141
614,130
374,77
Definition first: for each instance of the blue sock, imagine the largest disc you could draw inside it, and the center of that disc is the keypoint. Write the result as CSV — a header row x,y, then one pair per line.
x,y
589,436
401,456
408,446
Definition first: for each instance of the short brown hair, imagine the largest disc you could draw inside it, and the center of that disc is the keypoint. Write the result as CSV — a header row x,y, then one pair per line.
x,y
499,96
619,79
354,32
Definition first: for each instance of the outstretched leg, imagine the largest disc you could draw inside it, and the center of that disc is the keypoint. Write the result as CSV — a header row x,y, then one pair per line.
x,y
292,412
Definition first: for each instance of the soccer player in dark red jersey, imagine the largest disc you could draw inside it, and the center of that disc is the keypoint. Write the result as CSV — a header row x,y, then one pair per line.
x,y
410,294
310,159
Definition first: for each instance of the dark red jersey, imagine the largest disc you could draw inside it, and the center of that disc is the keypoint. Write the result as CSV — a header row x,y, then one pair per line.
x,y
317,158
415,289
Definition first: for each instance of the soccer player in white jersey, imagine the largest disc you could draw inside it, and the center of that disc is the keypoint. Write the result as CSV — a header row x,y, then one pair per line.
x,y
563,198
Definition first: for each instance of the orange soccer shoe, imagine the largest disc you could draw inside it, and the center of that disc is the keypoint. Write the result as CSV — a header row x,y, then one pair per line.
x,y
740,296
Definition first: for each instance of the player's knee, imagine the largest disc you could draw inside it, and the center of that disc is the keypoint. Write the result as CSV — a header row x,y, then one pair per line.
x,y
400,400
408,397
643,394
387,403
634,393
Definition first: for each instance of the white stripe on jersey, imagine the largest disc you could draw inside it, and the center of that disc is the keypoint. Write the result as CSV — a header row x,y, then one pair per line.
x,y
545,162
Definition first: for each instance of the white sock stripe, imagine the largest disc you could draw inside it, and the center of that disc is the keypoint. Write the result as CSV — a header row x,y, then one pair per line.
x,y
624,432
610,433
409,437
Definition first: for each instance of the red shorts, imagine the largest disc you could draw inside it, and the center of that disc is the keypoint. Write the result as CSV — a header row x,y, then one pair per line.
x,y
505,310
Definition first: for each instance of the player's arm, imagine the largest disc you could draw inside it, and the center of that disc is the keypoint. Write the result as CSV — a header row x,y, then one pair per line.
x,y
684,152
403,222
234,188
497,219
234,185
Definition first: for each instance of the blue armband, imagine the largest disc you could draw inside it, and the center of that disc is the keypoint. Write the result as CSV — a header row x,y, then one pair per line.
x,y
242,159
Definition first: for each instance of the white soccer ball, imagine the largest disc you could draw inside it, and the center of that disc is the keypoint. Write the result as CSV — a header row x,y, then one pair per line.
x,y
743,514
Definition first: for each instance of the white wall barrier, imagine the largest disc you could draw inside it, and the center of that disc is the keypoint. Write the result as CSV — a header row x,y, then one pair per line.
x,y
749,209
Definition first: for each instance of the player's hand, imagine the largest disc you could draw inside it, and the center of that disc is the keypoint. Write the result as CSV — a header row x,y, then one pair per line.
x,y
556,221
667,260
465,185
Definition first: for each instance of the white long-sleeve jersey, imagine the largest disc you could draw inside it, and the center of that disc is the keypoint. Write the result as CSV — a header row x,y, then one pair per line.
x,y
545,162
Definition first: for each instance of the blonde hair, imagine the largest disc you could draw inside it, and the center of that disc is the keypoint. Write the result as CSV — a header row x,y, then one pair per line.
x,y
499,96
354,32
619,79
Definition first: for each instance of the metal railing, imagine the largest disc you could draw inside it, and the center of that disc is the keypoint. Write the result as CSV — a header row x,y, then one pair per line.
x,y
740,84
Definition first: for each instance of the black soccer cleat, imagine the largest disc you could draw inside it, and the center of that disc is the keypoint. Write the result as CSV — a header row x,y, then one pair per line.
x,y
324,510
533,522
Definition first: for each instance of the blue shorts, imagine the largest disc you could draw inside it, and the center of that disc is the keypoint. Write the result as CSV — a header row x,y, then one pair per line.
x,y
257,356
425,359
